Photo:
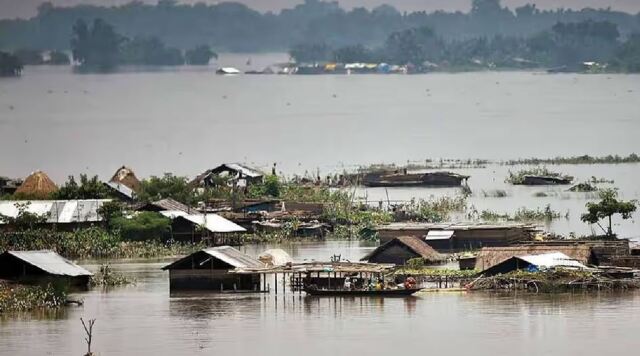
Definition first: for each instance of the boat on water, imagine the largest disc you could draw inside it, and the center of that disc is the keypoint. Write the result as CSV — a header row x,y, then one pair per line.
x,y
404,179
400,292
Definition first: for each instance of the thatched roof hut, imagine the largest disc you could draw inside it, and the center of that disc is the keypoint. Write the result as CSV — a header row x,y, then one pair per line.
x,y
125,176
491,256
401,249
37,185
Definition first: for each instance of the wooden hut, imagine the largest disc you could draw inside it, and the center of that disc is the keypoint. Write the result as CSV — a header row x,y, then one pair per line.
x,y
491,256
401,249
39,267
209,269
37,185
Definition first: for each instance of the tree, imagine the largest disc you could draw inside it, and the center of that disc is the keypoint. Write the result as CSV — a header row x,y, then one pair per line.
x,y
58,58
201,55
24,220
608,206
109,211
414,45
89,188
149,51
627,57
10,65
310,52
353,53
167,186
143,226
29,56
96,47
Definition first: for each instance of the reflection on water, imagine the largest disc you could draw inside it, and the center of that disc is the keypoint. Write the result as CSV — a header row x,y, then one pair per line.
x,y
146,320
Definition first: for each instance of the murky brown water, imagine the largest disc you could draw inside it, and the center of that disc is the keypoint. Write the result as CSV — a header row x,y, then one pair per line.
x,y
145,320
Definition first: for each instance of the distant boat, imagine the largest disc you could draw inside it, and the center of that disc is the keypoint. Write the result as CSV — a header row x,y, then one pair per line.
x,y
433,179
362,293
228,71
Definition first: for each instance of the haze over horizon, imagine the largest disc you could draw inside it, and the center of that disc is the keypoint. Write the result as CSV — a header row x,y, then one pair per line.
x,y
28,8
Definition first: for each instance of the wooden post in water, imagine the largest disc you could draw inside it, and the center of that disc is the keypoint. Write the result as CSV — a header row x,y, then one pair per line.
x,y
275,283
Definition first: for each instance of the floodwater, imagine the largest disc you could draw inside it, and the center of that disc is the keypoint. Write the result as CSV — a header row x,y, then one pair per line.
x,y
188,119
145,320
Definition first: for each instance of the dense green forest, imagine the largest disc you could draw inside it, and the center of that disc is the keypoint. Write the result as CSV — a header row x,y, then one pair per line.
x,y
229,26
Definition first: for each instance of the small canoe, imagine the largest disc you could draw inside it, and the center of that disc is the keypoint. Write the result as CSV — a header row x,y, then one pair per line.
x,y
362,293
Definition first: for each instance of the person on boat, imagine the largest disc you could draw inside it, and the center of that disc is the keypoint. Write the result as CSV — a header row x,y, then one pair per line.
x,y
347,283
409,283
380,285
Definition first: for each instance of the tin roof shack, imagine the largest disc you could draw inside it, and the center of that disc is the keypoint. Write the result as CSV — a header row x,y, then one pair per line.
x,y
239,175
167,204
38,267
197,227
401,249
63,214
209,269
534,263
491,256
464,236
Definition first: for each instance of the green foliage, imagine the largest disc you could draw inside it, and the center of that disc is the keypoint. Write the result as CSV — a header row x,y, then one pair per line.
x,y
584,159
96,46
58,58
24,220
167,186
10,65
310,52
523,215
518,177
354,53
110,210
434,210
14,298
149,51
107,277
143,226
414,45
628,56
89,188
415,263
200,55
608,206
29,56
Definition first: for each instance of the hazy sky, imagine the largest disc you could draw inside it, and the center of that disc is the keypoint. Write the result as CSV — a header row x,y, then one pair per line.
x,y
27,8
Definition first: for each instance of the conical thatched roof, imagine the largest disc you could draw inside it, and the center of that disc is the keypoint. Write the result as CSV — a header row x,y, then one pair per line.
x,y
37,185
125,176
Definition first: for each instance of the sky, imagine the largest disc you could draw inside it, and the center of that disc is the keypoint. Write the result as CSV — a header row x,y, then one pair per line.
x,y
27,8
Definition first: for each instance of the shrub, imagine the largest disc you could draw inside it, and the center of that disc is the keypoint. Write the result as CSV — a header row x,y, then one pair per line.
x,y
143,226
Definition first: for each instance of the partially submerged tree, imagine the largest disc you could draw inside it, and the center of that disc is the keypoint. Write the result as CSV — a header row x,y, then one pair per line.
x,y
10,65
608,206
201,55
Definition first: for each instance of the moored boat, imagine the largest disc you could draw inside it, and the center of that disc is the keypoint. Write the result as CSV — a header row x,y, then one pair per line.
x,y
431,179
362,293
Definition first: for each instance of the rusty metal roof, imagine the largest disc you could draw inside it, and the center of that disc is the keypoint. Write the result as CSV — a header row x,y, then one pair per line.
x,y
50,262
226,254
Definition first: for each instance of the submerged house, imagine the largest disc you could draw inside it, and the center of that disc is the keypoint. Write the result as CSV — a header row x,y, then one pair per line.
x,y
405,179
35,267
211,269
125,183
458,237
234,173
546,180
195,227
37,185
491,256
534,263
401,249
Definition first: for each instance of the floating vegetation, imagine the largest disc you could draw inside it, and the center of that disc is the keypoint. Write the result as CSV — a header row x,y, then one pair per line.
x,y
553,281
497,193
524,215
595,180
434,210
107,277
23,298
584,159
540,194
519,176
583,187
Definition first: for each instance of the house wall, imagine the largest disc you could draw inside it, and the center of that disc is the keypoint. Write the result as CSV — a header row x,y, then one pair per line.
x,y
213,280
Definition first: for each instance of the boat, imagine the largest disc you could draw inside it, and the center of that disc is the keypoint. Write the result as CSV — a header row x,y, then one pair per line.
x,y
432,179
362,293
228,71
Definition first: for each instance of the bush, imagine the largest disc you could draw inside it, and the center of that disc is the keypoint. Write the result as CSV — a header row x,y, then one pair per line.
x,y
143,226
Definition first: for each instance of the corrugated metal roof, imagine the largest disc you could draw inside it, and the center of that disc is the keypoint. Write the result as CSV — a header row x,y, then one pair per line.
x,y
50,262
246,171
447,226
226,254
439,235
551,260
58,211
170,204
121,188
212,222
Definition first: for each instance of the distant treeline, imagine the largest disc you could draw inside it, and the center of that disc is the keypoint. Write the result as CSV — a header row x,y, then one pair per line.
x,y
229,26
584,159
566,46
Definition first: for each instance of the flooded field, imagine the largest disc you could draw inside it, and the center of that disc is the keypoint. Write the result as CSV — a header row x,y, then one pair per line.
x,y
146,320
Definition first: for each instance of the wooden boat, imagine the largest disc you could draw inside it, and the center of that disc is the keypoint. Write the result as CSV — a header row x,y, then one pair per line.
x,y
433,179
362,293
